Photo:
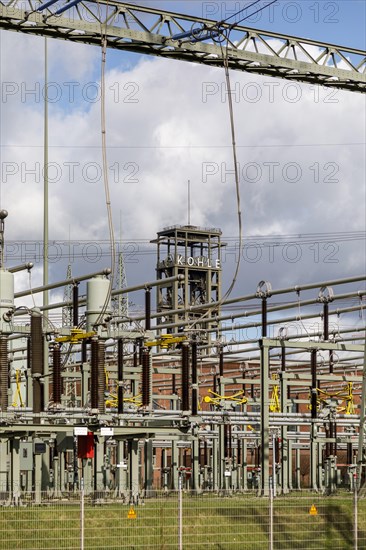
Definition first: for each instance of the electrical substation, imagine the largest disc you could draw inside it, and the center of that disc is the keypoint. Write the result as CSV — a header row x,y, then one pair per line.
x,y
132,404
127,409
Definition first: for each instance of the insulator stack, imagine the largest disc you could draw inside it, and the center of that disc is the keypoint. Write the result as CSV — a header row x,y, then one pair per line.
x,y
238,453
75,305
29,347
333,435
326,334
94,375
327,445
185,376
37,360
84,349
101,376
230,437
349,453
226,440
201,456
221,362
258,456
56,376
205,453
264,317
148,309
120,375
283,359
4,376
194,378
277,450
243,386
140,348
146,382
314,392
135,355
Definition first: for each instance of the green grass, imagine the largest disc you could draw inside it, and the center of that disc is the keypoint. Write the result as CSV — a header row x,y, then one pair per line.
x,y
238,522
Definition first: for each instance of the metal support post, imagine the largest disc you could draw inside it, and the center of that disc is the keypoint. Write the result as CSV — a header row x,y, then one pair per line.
x,y
270,544
99,465
361,432
185,376
82,515
87,474
215,463
37,478
195,464
284,439
164,470
314,431
120,365
355,514
134,469
320,481
286,473
46,481
298,468
180,512
289,464
194,377
220,465
15,466
121,468
245,463
264,418
62,471
85,375
274,461
56,475
148,461
174,466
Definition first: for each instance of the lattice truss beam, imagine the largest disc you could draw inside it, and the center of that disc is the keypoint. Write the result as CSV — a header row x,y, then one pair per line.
x,y
154,32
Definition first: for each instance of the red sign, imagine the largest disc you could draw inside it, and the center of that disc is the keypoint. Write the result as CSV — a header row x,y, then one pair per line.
x,y
86,445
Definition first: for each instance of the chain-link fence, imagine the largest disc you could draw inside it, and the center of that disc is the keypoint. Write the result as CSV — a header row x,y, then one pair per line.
x,y
182,520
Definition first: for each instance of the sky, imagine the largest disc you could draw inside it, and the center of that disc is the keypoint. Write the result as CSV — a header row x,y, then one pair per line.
x,y
300,149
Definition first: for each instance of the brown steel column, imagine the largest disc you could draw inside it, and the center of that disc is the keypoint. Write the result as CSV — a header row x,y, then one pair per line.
x,y
37,360
4,374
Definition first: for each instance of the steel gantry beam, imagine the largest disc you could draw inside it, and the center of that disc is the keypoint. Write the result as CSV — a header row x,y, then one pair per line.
x,y
174,36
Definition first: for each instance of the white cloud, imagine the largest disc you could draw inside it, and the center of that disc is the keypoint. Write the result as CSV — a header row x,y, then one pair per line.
x,y
161,132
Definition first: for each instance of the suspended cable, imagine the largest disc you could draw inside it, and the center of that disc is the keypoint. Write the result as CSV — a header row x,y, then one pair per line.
x,y
254,13
105,165
237,13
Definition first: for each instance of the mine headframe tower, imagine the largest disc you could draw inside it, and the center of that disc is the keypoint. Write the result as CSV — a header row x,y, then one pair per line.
x,y
194,253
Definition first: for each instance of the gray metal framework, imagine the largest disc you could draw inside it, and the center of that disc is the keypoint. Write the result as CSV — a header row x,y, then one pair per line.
x,y
152,31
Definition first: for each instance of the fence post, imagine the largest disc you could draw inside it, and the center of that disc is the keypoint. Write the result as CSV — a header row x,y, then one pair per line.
x,y
270,546
355,512
180,513
82,515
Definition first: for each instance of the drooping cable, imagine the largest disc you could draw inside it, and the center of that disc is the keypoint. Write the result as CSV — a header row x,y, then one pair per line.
x,y
225,56
254,13
240,11
105,166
